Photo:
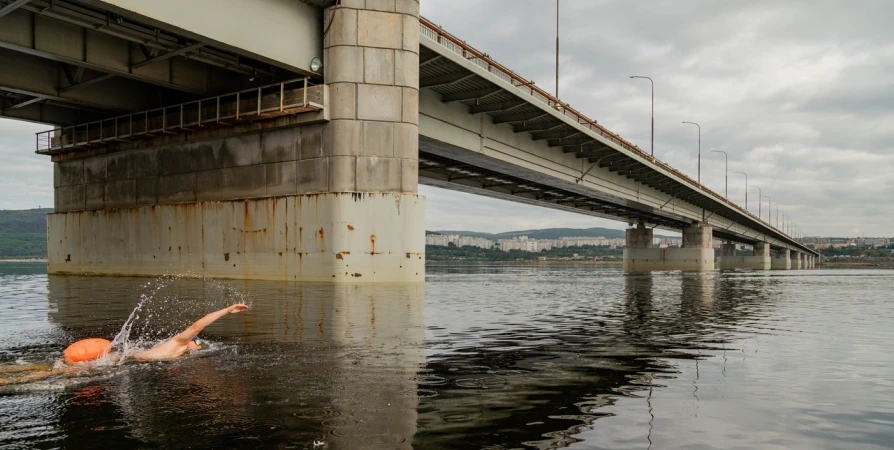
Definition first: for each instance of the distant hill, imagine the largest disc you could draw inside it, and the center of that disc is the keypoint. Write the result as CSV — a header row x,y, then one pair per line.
x,y
23,233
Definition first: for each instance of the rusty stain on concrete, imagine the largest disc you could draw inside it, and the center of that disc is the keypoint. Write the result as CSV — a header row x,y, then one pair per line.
x,y
68,258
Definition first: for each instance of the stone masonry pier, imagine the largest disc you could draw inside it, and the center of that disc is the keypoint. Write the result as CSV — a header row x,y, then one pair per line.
x,y
696,254
324,196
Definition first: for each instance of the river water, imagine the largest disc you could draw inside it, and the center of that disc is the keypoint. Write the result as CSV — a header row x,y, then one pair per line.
x,y
489,357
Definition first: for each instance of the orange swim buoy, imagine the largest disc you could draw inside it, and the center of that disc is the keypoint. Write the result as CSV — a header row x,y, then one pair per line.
x,y
87,350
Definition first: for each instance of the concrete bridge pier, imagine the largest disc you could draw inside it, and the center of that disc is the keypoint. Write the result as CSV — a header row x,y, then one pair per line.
x,y
330,195
781,260
797,260
696,254
759,260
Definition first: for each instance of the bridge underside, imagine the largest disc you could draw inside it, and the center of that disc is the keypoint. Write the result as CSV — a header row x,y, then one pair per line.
x,y
67,62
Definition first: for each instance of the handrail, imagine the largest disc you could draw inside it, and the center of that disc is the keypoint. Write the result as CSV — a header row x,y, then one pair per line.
x,y
484,61
236,110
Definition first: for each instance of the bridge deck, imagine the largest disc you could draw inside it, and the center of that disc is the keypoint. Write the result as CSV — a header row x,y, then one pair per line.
x,y
461,74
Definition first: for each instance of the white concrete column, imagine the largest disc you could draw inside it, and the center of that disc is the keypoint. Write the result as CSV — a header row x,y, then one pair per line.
x,y
697,253
760,259
371,64
796,260
782,260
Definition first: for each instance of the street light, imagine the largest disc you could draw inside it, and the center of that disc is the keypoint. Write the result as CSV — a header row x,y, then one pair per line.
x,y
769,208
699,150
653,108
759,195
746,189
777,216
557,49
726,172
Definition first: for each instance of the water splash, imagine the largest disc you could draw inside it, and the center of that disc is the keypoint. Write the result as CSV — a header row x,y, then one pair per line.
x,y
174,311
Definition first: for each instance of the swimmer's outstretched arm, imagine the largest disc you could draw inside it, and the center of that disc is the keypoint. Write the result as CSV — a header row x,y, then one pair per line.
x,y
188,334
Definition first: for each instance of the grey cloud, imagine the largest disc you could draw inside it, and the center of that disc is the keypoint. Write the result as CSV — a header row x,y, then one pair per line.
x,y
798,93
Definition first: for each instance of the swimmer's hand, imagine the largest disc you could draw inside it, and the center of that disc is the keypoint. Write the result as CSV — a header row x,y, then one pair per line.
x,y
237,308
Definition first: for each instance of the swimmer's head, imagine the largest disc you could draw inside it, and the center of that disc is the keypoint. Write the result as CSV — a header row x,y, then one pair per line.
x,y
195,343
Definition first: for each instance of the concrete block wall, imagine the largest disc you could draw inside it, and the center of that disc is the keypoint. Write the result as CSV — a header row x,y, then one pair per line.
x,y
781,260
698,236
761,249
727,249
371,63
271,163
639,237
797,259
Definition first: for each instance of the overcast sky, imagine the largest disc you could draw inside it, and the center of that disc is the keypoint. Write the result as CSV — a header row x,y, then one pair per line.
x,y
799,93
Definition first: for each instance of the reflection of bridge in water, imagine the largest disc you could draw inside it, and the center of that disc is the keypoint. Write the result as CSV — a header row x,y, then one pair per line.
x,y
352,363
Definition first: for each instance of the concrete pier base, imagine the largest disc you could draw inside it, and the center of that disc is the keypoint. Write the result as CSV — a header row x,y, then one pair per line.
x,y
797,260
728,260
332,237
696,254
781,260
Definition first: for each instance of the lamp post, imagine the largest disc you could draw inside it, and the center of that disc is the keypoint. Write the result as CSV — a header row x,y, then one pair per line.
x,y
557,49
699,150
777,216
746,189
759,196
726,172
769,208
653,108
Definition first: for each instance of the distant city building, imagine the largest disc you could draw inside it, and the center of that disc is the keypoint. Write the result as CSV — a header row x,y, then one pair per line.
x,y
445,240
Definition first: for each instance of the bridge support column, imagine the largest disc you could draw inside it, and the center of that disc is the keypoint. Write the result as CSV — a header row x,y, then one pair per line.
x,y
782,260
797,258
325,196
697,253
760,259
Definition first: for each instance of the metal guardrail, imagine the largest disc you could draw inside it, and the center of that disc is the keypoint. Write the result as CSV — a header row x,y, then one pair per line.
x,y
484,61
271,100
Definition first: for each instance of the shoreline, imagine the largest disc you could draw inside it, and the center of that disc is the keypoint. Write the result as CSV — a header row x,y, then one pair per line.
x,y
5,260
523,262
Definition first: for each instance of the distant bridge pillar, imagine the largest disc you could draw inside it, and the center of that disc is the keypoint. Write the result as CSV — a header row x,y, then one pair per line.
x,y
782,260
797,259
759,260
696,254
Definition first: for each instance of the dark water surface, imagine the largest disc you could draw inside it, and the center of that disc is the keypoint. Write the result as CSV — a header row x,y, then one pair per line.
x,y
478,357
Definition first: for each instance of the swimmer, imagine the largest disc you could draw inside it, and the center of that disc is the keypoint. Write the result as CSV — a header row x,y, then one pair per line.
x,y
96,348
187,339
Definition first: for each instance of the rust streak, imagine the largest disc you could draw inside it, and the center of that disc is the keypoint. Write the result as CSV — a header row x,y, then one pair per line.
x,y
350,228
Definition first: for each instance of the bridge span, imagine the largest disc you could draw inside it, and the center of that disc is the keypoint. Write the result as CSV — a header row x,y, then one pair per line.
x,y
286,140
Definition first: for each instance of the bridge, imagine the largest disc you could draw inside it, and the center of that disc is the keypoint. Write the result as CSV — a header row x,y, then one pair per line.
x,y
286,140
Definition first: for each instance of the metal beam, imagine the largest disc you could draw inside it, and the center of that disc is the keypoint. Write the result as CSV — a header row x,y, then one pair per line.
x,y
168,55
469,95
520,117
562,134
584,148
544,126
495,107
445,80
25,103
86,83
12,7
561,143
430,60
593,154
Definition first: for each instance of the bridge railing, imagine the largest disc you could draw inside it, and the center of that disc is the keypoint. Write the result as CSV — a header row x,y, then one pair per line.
x,y
266,101
460,47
